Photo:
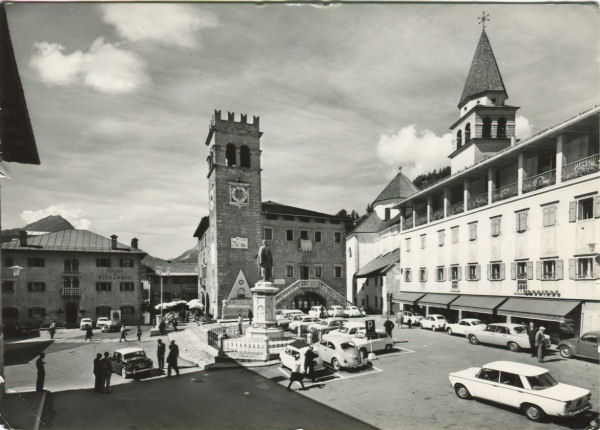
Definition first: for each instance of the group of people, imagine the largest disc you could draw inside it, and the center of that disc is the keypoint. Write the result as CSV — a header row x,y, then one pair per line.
x,y
171,358
297,374
102,372
538,341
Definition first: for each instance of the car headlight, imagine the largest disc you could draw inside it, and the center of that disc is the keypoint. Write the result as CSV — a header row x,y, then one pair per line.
x,y
568,405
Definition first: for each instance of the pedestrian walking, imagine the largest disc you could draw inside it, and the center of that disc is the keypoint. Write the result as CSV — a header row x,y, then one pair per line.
x,y
41,372
388,326
139,333
88,333
172,358
162,326
160,353
309,363
106,373
123,334
399,321
540,344
409,322
240,322
296,375
52,329
175,324
531,332
98,372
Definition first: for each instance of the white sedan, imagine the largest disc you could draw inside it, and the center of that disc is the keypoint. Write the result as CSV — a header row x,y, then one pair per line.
x,y
377,341
465,325
353,311
102,321
529,388
297,349
434,322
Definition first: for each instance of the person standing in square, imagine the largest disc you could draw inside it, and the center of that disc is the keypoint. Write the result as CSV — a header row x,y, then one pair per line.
x,y
41,372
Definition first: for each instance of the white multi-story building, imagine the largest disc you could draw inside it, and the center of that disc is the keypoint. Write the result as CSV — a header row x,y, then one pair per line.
x,y
512,234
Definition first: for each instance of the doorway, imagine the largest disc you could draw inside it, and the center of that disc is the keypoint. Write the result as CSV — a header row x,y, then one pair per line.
x,y
303,272
71,313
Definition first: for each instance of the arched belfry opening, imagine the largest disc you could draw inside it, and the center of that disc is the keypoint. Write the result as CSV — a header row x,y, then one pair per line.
x,y
230,154
244,156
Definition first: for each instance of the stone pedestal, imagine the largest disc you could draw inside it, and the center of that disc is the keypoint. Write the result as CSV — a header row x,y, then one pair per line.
x,y
263,305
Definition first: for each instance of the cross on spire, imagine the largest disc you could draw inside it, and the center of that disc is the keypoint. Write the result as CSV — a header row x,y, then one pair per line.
x,y
485,17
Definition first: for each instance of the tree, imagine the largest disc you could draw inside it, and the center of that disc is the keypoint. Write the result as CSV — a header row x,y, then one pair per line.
x,y
425,180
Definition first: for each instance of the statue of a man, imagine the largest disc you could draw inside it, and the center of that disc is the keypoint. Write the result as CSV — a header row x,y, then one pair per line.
x,y
264,260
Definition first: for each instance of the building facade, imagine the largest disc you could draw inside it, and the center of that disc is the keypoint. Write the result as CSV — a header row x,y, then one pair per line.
x,y
307,246
179,282
69,275
513,233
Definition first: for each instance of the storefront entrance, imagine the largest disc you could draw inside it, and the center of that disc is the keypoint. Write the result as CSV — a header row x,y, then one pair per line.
x,y
71,313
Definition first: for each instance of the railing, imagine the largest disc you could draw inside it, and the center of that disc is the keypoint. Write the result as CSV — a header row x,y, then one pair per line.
x,y
408,222
477,201
505,192
456,208
539,181
420,220
582,167
75,292
232,331
323,288
437,214
521,282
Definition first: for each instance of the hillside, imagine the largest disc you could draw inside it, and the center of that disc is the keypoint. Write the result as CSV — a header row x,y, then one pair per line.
x,y
49,224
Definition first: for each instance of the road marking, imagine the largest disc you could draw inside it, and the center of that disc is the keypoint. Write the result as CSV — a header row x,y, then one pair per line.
x,y
38,417
338,376
92,341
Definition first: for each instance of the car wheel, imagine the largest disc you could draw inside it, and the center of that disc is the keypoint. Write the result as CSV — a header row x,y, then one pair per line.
x,y
123,373
566,351
363,353
513,346
450,331
335,364
389,347
533,412
462,392
473,339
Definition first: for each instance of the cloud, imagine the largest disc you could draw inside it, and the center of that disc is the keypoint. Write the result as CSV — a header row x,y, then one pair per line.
x,y
168,24
73,215
106,67
523,128
415,151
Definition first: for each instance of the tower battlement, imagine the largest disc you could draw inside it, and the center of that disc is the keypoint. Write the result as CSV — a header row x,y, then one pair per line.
x,y
219,119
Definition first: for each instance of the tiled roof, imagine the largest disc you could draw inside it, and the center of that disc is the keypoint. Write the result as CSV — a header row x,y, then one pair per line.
x,y
398,188
380,264
277,208
374,224
484,74
202,227
390,222
71,240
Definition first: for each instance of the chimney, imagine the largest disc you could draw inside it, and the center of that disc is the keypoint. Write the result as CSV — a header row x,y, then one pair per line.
x,y
134,243
113,241
22,238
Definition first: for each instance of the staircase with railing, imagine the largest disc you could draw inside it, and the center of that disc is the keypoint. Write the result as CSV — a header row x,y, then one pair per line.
x,y
313,284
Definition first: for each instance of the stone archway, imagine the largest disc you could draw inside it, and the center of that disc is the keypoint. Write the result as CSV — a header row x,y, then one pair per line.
x,y
306,300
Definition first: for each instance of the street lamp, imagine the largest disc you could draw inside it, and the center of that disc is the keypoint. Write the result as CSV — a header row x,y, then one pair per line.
x,y
161,287
16,270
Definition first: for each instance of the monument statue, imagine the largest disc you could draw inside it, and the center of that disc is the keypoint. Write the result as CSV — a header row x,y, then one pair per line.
x,y
264,260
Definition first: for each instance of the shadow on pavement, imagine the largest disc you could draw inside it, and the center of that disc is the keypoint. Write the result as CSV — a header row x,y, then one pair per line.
x,y
22,353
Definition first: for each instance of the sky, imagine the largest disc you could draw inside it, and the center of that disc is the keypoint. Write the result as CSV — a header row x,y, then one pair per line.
x,y
121,95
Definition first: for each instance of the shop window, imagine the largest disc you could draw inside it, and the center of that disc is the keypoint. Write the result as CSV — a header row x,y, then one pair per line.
x,y
318,238
268,233
289,235
35,262
36,287
126,262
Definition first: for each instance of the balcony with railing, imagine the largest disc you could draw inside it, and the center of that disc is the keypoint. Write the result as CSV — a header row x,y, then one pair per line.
x,y
541,180
505,192
581,167
522,283
477,201
437,214
71,292
456,208
420,220
408,222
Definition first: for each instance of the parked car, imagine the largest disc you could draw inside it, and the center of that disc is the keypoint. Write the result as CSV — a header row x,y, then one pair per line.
x,y
297,349
349,329
85,323
353,311
584,346
111,326
285,316
529,388
326,325
379,341
465,324
414,318
302,321
513,336
339,352
130,362
434,322
318,311
102,321
335,311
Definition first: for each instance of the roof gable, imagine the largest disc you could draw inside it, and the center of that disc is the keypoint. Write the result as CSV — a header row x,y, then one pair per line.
x,y
398,188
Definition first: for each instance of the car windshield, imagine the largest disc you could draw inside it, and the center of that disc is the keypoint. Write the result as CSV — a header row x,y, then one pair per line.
x,y
520,329
347,345
136,354
541,382
344,330
477,322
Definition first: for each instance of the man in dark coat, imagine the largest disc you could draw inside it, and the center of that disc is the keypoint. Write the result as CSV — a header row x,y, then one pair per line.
x,y
88,333
98,372
172,358
531,332
106,373
309,363
41,372
160,353
388,326
162,326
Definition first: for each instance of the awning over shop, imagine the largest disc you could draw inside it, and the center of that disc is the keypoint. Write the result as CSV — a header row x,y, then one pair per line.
x,y
437,300
406,297
541,309
379,265
482,304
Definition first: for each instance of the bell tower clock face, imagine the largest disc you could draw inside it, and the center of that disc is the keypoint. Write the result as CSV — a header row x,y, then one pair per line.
x,y
239,194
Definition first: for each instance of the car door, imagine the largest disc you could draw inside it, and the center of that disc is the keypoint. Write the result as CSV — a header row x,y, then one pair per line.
x,y
487,335
485,384
462,327
116,364
501,336
510,390
588,346
325,351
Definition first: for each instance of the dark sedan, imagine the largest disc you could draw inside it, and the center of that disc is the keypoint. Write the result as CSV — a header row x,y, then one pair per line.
x,y
584,346
130,362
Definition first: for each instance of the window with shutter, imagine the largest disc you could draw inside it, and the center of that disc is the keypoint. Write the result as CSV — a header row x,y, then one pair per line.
x,y
538,270
478,272
502,271
572,268
459,273
530,270
473,231
513,271
597,207
559,269
549,216
489,272
573,211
